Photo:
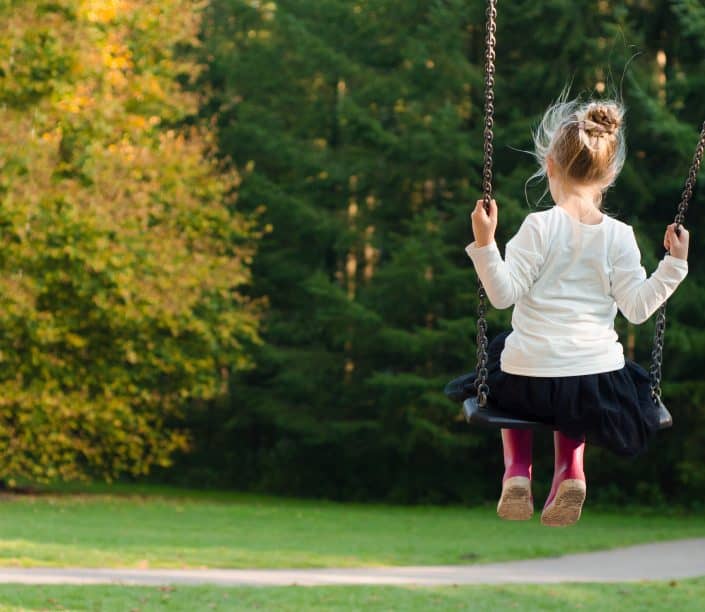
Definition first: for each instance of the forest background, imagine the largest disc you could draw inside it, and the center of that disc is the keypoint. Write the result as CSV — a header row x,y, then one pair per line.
x,y
232,232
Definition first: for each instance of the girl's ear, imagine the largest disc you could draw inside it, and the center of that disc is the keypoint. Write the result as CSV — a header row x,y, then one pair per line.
x,y
549,166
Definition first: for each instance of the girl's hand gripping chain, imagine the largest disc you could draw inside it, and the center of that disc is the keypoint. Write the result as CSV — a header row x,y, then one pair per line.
x,y
484,225
676,242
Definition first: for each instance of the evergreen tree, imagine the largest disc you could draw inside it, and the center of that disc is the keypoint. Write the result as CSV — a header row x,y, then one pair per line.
x,y
361,124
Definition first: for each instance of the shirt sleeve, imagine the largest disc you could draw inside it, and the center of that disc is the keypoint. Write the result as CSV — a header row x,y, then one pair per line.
x,y
638,297
505,281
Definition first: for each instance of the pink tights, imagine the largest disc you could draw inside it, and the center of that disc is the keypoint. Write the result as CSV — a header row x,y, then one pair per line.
x,y
517,448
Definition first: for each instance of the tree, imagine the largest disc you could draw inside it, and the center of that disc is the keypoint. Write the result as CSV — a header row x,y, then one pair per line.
x,y
122,256
362,123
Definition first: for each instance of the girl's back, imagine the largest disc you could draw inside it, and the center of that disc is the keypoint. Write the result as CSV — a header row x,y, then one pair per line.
x,y
568,278
568,270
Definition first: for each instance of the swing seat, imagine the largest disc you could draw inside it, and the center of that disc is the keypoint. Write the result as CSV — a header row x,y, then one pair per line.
x,y
490,416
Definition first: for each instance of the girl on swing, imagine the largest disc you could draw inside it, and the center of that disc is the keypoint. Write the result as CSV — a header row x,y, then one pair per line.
x,y
567,271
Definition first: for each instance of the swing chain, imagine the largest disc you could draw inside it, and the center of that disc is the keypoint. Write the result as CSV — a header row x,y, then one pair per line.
x,y
692,176
490,41
657,354
660,328
490,56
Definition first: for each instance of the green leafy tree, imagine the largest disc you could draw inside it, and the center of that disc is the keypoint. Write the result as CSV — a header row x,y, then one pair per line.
x,y
121,255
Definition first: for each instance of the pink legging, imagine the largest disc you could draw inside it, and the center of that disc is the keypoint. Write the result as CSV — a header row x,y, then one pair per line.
x,y
517,447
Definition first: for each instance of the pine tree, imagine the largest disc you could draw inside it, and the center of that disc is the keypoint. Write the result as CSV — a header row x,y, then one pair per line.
x,y
361,124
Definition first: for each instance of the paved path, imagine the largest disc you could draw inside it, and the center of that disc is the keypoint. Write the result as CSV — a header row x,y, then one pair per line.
x,y
661,561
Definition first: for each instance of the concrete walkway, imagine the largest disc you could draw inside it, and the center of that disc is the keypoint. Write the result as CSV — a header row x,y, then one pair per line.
x,y
661,561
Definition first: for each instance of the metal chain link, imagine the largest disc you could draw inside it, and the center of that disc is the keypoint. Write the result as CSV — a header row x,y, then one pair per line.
x,y
490,41
660,329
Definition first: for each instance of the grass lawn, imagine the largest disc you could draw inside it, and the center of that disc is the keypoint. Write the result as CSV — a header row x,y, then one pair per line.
x,y
683,596
160,527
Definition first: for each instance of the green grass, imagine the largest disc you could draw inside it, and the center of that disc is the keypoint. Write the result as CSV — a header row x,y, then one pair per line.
x,y
684,596
161,527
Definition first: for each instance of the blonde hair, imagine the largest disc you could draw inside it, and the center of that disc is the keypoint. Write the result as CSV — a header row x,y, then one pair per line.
x,y
584,139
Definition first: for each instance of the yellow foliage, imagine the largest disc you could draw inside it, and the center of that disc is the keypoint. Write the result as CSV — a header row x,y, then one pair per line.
x,y
104,11
121,261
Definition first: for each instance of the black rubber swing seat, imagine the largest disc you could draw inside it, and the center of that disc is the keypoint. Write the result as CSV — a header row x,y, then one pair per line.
x,y
490,416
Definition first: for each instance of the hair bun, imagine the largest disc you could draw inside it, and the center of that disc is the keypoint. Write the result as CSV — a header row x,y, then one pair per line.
x,y
601,118
584,140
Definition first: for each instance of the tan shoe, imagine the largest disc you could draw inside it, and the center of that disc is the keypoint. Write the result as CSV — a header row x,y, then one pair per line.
x,y
516,502
567,504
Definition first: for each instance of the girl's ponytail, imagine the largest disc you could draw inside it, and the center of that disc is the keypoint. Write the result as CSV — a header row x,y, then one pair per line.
x,y
584,139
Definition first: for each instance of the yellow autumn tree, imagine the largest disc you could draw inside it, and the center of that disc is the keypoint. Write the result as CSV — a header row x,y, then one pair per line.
x,y
122,257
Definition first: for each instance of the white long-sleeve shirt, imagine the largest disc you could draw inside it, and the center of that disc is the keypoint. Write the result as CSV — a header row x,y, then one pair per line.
x,y
566,280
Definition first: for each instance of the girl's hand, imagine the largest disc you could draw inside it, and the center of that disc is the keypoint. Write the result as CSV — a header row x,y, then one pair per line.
x,y
484,225
674,244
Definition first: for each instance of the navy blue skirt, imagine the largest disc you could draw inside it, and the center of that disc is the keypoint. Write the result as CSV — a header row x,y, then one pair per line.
x,y
613,410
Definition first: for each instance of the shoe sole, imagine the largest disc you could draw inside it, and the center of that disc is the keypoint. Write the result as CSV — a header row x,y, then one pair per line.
x,y
515,503
566,506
